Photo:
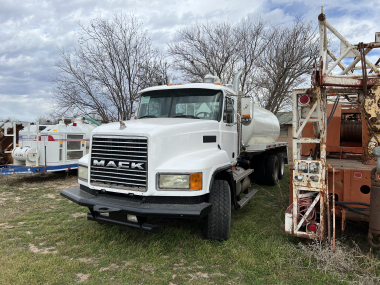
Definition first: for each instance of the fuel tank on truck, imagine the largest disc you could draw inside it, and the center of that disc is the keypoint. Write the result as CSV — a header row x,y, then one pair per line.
x,y
263,128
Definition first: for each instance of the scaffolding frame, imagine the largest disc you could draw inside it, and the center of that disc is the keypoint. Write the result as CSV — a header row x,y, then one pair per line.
x,y
313,185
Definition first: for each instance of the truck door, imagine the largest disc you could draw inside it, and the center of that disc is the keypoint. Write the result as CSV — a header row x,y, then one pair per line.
x,y
229,129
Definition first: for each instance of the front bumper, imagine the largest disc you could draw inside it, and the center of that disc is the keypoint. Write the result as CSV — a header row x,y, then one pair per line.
x,y
119,207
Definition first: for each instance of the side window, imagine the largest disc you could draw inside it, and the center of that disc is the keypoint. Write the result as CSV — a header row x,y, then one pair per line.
x,y
228,114
74,142
283,131
74,147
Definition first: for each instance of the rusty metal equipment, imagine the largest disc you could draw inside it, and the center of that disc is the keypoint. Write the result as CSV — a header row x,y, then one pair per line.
x,y
336,128
8,141
374,210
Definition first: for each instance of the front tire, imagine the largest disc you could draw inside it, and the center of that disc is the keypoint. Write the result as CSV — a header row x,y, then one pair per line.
x,y
218,222
271,170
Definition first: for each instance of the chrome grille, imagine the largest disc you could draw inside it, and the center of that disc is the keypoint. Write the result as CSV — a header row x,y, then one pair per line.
x,y
119,162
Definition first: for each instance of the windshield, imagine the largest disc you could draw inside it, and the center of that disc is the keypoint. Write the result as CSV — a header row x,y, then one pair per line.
x,y
182,103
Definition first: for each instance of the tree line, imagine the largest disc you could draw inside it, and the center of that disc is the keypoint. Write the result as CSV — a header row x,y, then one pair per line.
x,y
116,58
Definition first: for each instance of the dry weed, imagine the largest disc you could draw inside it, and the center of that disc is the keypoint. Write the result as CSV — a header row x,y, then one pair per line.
x,y
345,262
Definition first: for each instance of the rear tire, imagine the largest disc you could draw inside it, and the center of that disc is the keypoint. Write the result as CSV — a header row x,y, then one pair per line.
x,y
281,165
271,170
218,222
259,173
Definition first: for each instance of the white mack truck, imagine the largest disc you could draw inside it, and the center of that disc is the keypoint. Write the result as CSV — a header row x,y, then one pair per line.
x,y
190,153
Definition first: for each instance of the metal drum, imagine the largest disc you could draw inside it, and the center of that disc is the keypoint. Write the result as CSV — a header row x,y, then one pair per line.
x,y
351,131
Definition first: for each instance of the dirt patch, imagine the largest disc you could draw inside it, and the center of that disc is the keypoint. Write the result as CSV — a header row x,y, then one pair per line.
x,y
82,277
34,249
148,268
199,275
112,266
68,185
6,226
180,263
50,196
77,215
88,260
28,232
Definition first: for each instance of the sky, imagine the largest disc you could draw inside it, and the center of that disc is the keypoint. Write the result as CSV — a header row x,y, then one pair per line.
x,y
32,32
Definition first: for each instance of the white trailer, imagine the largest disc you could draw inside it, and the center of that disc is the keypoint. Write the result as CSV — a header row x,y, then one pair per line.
x,y
50,148
191,153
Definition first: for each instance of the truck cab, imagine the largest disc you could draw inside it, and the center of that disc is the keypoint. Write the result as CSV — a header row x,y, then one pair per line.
x,y
182,157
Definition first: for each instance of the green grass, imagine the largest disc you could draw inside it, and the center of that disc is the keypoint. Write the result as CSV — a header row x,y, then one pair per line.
x,y
46,239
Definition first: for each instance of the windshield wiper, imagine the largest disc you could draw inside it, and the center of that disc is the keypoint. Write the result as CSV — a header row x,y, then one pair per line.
x,y
148,116
185,116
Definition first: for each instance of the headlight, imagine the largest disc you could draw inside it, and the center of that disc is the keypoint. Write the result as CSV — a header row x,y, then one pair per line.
x,y
174,181
180,181
82,172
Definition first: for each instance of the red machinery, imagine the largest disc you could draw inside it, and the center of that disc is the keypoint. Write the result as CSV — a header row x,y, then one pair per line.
x,y
336,127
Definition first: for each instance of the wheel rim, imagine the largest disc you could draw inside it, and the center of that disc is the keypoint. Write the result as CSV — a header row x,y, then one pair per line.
x,y
282,168
275,171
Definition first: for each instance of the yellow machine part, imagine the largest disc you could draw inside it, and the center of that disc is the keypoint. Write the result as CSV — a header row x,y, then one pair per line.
x,y
371,108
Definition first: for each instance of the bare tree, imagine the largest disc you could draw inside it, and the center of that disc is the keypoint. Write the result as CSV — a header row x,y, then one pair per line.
x,y
114,60
250,46
285,63
45,120
217,48
275,59
10,119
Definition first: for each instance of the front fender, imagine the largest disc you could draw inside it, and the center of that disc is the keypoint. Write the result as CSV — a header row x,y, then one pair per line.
x,y
84,160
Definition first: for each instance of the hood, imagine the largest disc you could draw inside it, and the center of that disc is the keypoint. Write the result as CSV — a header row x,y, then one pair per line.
x,y
154,126
167,137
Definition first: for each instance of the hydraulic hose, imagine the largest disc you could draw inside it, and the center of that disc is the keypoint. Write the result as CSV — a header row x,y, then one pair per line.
x,y
93,121
351,203
356,210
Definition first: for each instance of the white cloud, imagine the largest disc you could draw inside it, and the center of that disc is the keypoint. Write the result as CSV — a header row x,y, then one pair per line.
x,y
23,107
31,32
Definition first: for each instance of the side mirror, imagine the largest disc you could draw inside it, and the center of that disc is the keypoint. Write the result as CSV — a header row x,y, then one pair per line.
x,y
137,105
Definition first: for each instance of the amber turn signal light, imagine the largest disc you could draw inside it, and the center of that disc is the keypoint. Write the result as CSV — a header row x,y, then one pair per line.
x,y
196,181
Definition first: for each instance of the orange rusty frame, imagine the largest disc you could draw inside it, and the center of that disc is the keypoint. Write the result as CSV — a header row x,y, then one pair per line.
x,y
326,84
